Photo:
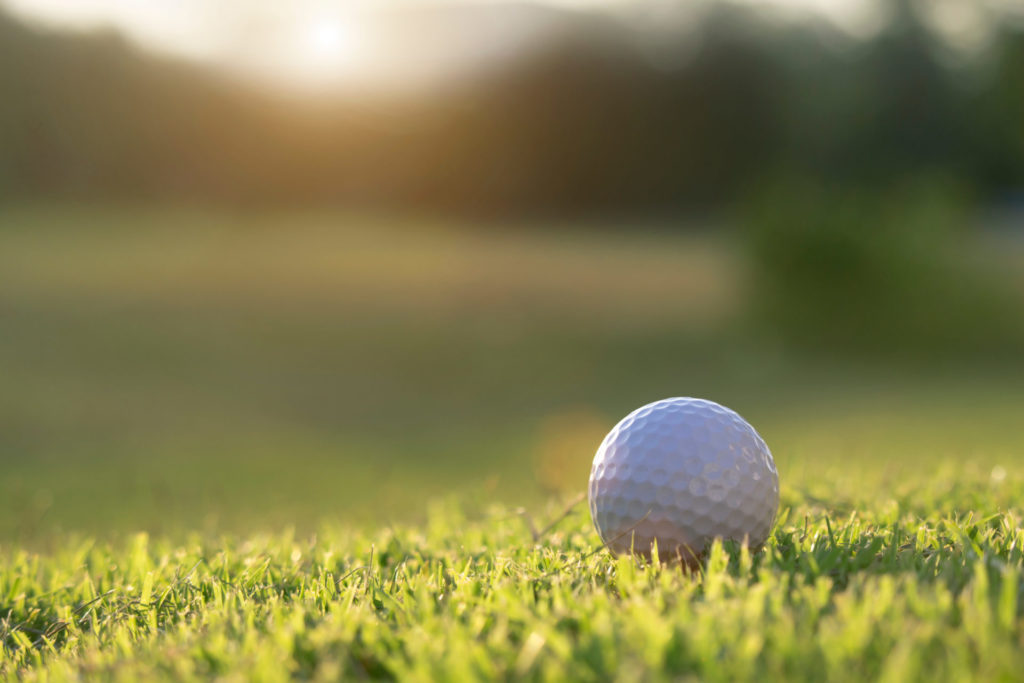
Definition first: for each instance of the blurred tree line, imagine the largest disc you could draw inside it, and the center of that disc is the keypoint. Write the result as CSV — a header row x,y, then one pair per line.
x,y
587,123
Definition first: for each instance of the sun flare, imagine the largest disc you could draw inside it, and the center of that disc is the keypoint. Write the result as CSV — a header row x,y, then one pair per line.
x,y
328,40
328,49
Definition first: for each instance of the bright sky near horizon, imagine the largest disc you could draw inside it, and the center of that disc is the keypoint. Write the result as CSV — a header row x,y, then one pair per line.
x,y
315,40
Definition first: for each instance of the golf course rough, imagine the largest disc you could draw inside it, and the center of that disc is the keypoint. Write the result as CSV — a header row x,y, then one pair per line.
x,y
899,585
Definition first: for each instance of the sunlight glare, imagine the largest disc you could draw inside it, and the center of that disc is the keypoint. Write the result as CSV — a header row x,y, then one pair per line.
x,y
326,40
329,49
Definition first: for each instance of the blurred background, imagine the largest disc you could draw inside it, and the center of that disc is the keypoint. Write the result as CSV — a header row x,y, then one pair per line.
x,y
267,263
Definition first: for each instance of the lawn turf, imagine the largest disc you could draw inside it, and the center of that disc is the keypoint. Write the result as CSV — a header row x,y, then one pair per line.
x,y
908,585
274,401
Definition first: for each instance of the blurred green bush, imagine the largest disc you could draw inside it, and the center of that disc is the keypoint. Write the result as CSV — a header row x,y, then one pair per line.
x,y
889,270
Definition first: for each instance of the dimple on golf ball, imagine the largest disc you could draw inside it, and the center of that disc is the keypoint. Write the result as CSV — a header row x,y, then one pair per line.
x,y
682,472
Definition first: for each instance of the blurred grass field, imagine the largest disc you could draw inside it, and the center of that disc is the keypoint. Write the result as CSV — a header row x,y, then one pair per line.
x,y
324,446
179,369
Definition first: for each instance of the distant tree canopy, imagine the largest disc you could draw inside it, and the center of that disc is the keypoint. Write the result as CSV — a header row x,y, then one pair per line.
x,y
586,124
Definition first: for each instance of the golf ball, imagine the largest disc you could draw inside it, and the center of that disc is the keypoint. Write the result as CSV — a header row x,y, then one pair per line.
x,y
682,472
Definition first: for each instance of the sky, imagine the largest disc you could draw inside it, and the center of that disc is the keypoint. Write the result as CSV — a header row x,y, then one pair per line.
x,y
314,42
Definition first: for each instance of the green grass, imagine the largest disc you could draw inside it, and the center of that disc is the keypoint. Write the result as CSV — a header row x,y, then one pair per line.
x,y
171,369
916,583
254,447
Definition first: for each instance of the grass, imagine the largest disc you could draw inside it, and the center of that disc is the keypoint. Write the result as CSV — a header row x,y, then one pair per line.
x,y
180,369
158,364
321,446
917,584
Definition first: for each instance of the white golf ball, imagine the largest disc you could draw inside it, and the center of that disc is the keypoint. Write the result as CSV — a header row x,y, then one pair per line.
x,y
682,472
